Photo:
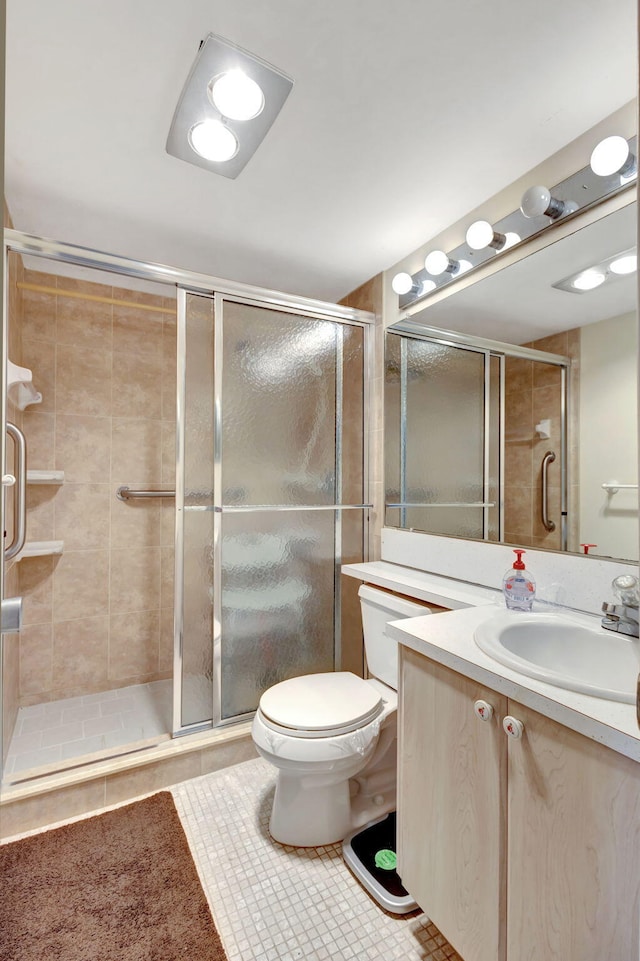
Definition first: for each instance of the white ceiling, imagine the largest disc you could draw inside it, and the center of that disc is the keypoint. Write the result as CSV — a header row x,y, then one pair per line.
x,y
404,116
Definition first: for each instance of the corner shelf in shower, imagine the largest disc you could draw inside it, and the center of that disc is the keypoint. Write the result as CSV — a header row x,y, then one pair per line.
x,y
45,477
40,549
20,386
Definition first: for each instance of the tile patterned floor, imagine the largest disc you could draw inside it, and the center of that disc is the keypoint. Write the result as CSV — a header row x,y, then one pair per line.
x,y
278,903
59,731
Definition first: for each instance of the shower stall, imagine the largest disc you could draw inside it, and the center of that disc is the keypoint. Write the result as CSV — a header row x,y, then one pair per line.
x,y
196,474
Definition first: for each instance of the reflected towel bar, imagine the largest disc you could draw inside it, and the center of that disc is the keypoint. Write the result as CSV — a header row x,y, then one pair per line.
x,y
613,487
125,493
457,504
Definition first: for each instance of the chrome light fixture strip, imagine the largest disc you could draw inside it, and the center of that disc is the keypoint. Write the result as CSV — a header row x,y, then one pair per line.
x,y
581,191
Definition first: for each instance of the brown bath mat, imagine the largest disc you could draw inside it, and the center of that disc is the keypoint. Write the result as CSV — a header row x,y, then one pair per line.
x,y
121,886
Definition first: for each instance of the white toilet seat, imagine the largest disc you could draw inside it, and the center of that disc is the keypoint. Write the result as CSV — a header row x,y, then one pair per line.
x,y
320,705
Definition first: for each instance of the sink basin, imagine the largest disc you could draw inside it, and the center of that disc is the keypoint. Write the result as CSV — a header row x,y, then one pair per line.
x,y
564,651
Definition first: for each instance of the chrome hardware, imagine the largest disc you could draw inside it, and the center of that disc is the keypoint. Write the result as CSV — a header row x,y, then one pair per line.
x,y
11,615
548,458
623,617
126,494
19,493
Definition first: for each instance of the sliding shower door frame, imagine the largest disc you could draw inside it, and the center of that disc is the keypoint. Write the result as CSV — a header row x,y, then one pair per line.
x,y
350,318
187,281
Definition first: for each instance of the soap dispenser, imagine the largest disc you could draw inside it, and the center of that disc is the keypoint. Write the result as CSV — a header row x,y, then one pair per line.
x,y
518,586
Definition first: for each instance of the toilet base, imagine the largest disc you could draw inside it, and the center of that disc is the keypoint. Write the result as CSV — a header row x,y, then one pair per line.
x,y
311,815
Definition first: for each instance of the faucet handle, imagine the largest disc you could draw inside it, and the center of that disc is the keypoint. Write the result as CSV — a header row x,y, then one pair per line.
x,y
610,610
625,587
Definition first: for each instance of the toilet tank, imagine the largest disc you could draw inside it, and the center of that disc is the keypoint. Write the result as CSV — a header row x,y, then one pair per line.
x,y
378,608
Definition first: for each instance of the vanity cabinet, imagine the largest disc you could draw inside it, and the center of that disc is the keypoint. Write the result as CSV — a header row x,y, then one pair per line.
x,y
518,849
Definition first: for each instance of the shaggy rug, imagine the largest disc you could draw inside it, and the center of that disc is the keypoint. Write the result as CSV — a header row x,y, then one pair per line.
x,y
121,886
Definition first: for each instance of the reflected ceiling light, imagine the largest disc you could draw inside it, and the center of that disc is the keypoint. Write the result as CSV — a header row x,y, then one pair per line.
x,y
624,265
214,141
236,95
537,201
511,238
588,279
481,234
612,156
227,106
438,262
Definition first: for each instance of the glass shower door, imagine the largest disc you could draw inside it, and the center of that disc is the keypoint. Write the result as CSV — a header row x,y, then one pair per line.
x,y
273,464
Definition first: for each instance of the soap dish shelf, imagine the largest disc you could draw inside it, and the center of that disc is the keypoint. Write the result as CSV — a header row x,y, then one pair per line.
x,y
20,386
40,549
45,477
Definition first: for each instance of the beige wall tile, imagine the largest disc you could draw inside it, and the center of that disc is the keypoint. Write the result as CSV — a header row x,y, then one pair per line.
x,y
83,448
518,464
517,511
136,452
165,654
84,286
36,658
167,562
151,777
40,511
82,516
518,375
36,586
38,316
81,585
83,323
39,357
134,641
137,331
80,655
135,580
139,297
39,429
169,397
134,523
168,524
136,386
168,469
83,380
39,278
45,809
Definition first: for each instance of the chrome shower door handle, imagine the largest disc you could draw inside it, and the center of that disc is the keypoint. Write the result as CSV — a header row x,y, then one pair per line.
x,y
19,493
548,458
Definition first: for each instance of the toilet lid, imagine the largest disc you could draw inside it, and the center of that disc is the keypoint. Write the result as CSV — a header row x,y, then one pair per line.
x,y
321,704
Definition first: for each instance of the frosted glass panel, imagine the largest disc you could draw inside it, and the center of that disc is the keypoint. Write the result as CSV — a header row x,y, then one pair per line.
x,y
352,415
277,602
199,409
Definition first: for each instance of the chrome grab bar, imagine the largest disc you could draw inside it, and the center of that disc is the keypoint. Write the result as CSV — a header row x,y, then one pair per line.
x,y
548,458
125,493
19,493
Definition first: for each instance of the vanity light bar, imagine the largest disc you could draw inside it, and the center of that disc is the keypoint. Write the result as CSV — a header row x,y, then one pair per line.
x,y
541,207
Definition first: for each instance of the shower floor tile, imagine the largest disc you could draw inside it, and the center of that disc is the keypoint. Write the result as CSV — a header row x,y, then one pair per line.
x,y
72,728
277,903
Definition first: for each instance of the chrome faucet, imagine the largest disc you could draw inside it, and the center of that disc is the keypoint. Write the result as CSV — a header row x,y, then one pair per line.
x,y
623,617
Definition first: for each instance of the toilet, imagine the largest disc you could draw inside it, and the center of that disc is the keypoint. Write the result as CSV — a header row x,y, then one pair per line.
x,y
332,736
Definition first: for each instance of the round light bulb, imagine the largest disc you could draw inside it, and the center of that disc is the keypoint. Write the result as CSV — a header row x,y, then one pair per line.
x,y
537,201
236,96
588,280
402,283
427,286
463,265
511,238
213,141
610,156
436,263
480,234
624,265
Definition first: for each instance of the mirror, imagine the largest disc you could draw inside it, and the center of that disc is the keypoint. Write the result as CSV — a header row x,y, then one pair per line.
x,y
468,424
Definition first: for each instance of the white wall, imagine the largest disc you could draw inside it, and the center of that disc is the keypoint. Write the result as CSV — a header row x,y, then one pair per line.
x,y
609,435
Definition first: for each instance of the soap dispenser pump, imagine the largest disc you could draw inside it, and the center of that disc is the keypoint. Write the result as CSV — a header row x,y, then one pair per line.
x,y
518,587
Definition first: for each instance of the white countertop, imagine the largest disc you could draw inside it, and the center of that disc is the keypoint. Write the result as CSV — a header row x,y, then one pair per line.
x,y
448,639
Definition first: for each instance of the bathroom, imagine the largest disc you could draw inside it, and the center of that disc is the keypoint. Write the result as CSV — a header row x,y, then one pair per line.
x,y
135,365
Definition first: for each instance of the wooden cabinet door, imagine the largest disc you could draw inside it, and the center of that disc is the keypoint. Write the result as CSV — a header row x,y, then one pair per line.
x,y
574,847
452,806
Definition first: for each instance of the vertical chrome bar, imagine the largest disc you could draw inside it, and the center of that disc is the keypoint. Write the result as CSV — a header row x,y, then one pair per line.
x,y
486,467
368,426
19,493
218,366
503,381
337,606
547,523
404,341
178,611
565,401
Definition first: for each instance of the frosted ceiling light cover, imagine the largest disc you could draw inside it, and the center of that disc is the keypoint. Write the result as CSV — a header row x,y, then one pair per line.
x,y
624,265
589,280
610,156
236,95
402,283
213,141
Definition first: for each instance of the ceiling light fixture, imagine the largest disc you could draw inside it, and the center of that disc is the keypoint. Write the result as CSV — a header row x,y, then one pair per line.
x,y
625,264
612,156
588,279
226,108
612,269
